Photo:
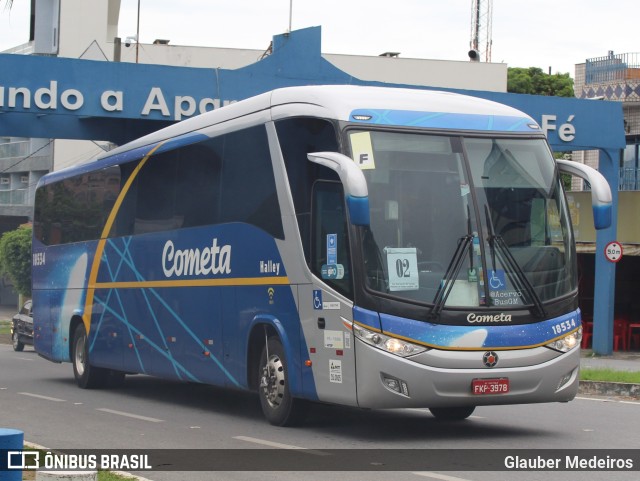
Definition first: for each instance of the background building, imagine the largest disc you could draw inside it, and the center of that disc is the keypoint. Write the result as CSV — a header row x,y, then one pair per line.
x,y
616,77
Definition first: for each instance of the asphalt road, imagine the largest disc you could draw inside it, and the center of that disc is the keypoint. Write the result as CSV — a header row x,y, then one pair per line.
x,y
41,399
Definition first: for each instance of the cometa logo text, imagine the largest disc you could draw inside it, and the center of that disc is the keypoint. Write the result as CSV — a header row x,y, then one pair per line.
x,y
473,318
187,262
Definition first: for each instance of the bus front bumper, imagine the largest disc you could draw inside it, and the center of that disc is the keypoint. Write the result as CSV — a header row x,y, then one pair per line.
x,y
388,381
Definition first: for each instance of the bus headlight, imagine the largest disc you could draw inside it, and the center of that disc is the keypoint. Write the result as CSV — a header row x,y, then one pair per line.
x,y
389,344
567,342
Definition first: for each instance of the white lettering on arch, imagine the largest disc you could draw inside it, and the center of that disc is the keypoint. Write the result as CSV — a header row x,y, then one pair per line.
x,y
156,101
112,100
72,99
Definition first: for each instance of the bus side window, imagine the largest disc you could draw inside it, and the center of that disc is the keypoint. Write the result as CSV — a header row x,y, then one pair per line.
x,y
178,188
330,243
197,185
76,209
248,187
298,137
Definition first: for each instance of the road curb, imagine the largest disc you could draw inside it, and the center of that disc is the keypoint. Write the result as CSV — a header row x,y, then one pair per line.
x,y
603,388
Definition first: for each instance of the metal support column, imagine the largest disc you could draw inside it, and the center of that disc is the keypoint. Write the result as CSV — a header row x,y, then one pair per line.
x,y
605,273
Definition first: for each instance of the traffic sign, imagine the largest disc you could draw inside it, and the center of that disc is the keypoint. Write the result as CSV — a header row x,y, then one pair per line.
x,y
613,251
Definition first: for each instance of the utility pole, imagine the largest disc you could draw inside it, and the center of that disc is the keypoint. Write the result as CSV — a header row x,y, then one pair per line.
x,y
480,44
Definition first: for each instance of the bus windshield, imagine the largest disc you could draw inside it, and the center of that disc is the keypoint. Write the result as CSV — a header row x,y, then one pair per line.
x,y
462,221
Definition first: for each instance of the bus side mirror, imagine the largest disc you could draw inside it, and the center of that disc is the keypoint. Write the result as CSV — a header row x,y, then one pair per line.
x,y
600,190
353,182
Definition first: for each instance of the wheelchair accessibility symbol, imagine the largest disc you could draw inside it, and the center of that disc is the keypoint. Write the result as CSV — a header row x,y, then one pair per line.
x,y
317,299
497,281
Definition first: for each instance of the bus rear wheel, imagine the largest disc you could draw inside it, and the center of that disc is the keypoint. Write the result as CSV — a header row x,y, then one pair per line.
x,y
453,413
87,376
278,406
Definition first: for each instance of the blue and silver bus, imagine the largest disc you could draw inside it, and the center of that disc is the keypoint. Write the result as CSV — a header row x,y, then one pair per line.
x,y
362,246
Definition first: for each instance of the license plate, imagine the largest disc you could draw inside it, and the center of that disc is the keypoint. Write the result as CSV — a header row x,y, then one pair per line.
x,y
490,386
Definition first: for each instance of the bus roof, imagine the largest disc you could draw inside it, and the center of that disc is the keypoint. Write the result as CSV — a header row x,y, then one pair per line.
x,y
361,104
334,102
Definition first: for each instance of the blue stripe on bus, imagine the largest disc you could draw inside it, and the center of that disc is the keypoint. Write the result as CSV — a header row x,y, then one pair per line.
x,y
443,120
486,335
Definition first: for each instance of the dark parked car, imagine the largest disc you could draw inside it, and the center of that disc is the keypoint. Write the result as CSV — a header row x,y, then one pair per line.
x,y
22,327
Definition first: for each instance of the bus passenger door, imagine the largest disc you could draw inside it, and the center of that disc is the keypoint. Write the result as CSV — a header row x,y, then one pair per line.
x,y
325,305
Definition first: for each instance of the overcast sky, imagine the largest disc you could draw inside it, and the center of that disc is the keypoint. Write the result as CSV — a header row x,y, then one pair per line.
x,y
525,33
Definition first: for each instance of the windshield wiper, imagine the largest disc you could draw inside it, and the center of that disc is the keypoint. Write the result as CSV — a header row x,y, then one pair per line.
x,y
464,243
516,275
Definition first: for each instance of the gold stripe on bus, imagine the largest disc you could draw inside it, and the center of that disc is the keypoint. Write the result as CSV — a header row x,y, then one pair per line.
x,y
236,281
95,266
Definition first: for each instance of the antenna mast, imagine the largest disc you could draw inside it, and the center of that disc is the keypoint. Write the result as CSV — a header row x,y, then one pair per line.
x,y
480,44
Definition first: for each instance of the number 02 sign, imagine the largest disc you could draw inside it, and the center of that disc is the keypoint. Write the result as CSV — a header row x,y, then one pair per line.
x,y
613,251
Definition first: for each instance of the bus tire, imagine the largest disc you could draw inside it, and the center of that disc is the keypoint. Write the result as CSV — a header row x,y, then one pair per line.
x,y
278,406
87,376
453,413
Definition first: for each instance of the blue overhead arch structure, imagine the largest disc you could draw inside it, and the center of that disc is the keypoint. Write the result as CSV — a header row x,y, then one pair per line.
x,y
63,98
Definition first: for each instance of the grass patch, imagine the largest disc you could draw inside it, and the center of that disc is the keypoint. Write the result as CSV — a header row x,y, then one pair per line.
x,y
609,375
109,476
5,327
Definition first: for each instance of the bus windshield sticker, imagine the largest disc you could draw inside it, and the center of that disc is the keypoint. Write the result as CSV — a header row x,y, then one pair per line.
x,y
362,150
332,249
402,264
497,280
332,271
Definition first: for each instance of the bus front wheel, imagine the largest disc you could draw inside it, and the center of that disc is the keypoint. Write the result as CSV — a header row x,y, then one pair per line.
x,y
452,414
278,406
87,376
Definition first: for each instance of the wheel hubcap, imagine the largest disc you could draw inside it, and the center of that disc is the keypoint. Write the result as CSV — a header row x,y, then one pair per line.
x,y
79,356
272,381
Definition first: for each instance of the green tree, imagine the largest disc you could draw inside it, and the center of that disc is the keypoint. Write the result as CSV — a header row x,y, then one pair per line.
x,y
534,81
15,258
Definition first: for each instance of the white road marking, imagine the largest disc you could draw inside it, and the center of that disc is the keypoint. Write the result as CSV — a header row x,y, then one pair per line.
x,y
130,415
443,477
593,399
25,359
273,444
607,400
47,398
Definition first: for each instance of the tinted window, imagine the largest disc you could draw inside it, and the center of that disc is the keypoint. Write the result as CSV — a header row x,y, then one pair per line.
x,y
248,189
76,209
224,179
175,189
330,239
297,138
